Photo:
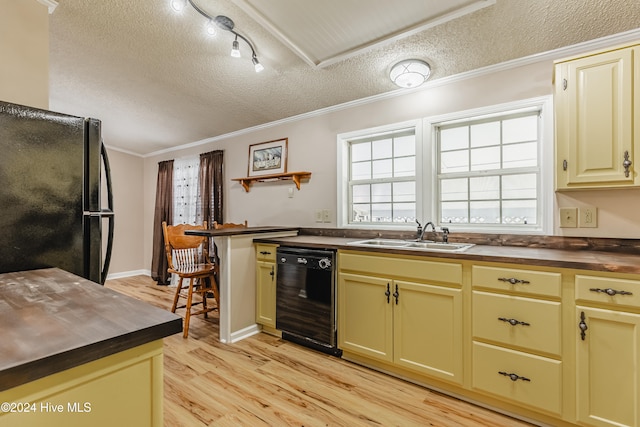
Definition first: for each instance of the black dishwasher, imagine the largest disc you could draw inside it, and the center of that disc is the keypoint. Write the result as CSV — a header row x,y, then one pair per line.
x,y
306,298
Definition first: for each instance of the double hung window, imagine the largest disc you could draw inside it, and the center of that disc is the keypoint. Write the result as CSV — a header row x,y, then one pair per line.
x,y
488,170
382,184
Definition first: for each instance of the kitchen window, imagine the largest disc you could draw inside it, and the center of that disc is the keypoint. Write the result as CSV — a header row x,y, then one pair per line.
x,y
488,170
481,170
381,184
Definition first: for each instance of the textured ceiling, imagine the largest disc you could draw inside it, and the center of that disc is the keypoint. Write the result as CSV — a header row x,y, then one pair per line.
x,y
157,80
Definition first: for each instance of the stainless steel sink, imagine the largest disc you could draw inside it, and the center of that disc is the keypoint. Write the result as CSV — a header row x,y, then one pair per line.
x,y
423,245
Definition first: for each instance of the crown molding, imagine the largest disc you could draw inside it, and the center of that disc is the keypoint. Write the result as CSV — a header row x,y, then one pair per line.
x,y
552,55
51,4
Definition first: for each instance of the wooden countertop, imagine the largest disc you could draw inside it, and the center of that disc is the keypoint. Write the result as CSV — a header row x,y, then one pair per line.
x,y
239,230
561,258
51,320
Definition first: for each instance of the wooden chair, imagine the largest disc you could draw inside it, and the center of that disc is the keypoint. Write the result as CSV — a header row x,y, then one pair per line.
x,y
188,258
217,226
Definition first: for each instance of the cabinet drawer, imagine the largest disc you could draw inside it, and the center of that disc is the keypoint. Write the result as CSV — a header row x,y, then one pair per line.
x,y
527,282
495,317
266,252
406,268
542,391
617,292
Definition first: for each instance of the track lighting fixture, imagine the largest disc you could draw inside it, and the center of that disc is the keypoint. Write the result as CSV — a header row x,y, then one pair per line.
x,y
235,48
224,23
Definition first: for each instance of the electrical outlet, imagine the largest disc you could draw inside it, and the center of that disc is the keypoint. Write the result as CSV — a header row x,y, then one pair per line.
x,y
326,215
290,192
588,217
568,217
319,215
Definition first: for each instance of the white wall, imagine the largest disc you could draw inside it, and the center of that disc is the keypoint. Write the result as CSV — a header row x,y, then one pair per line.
x,y
24,53
128,189
312,147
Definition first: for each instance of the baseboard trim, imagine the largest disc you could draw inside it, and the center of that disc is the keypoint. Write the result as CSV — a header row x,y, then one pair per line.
x,y
244,333
129,274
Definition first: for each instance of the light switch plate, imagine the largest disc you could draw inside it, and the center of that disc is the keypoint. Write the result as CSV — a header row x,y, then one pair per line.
x,y
568,217
326,215
319,215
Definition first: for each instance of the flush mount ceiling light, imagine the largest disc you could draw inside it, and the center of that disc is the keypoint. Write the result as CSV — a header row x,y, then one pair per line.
x,y
223,23
410,73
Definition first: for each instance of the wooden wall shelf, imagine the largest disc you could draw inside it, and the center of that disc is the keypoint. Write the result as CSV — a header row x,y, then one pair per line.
x,y
296,177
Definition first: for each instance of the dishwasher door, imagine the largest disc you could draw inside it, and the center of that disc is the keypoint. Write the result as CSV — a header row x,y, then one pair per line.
x,y
305,297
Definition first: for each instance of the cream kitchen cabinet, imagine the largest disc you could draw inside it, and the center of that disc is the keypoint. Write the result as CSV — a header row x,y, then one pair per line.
x,y
517,336
597,107
402,311
607,351
266,285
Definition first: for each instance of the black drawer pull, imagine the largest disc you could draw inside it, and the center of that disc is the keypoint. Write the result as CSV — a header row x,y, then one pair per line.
x,y
583,326
513,280
265,253
514,377
611,292
513,322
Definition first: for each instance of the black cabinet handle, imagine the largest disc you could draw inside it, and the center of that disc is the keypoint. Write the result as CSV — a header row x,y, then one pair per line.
x,y
610,292
396,294
388,293
582,326
514,377
513,280
513,322
272,273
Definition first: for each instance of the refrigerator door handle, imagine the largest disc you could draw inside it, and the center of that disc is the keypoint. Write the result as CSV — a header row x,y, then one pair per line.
x,y
107,213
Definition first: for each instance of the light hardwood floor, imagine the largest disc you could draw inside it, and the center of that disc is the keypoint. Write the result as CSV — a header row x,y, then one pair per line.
x,y
264,381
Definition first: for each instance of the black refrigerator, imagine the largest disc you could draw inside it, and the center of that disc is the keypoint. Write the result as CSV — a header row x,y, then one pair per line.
x,y
56,204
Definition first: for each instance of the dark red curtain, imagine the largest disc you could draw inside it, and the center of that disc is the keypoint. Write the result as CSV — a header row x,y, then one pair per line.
x,y
210,186
163,212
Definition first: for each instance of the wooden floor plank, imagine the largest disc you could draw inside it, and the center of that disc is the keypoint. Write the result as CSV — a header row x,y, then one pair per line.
x,y
265,381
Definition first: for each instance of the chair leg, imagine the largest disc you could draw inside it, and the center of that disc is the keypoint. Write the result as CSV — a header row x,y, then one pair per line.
x,y
187,315
216,293
176,296
203,293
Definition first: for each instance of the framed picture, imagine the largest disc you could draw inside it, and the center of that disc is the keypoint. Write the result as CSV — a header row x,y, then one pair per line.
x,y
268,158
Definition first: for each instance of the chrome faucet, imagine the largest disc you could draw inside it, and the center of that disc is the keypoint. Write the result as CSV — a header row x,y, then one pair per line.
x,y
433,227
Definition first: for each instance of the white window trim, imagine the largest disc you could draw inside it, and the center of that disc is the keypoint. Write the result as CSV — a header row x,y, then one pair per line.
x,y
343,174
545,153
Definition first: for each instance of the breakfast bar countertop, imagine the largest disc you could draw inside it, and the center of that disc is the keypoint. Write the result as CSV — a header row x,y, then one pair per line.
x,y
582,259
232,231
53,320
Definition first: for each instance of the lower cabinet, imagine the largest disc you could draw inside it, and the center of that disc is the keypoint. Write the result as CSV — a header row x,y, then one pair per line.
x,y
558,346
607,352
123,389
413,324
266,285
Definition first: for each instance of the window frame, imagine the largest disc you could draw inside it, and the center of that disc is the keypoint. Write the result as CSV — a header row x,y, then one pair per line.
x,y
545,162
343,165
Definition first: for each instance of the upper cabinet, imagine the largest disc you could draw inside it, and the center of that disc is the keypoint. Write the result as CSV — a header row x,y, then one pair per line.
x,y
597,107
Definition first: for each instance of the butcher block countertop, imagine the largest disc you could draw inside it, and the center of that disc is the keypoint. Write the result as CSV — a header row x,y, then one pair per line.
x,y
51,320
582,259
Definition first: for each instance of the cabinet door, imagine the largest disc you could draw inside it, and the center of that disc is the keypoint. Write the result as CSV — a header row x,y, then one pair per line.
x,y
365,316
266,293
428,329
594,101
608,371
